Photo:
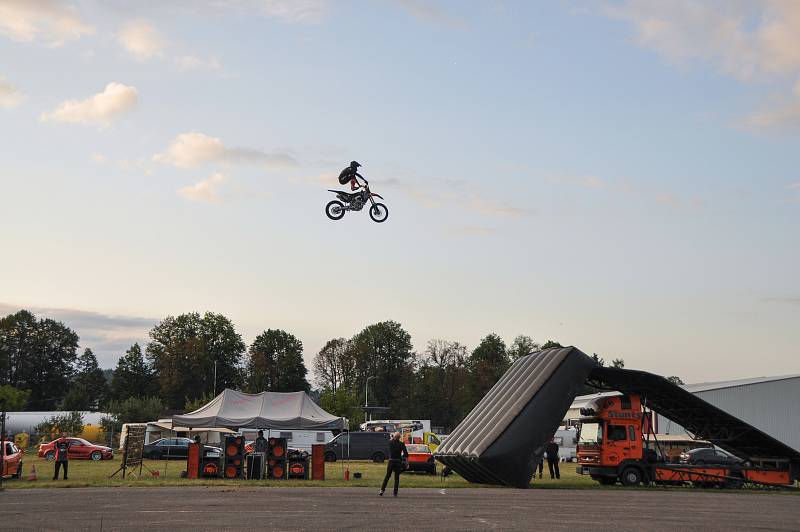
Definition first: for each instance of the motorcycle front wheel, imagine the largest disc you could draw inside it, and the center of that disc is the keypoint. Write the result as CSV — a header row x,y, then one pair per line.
x,y
335,210
378,212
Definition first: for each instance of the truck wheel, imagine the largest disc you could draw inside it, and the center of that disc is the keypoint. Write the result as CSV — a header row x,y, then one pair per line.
x,y
378,458
330,457
631,477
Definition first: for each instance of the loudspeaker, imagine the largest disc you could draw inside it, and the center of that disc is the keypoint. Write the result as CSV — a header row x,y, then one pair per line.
x,y
298,468
276,461
210,467
318,461
255,466
193,460
234,457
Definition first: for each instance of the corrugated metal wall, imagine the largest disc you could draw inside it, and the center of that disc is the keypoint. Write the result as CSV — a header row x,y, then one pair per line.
x,y
773,407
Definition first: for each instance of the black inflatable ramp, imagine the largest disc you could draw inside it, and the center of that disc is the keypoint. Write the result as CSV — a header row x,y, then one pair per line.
x,y
502,439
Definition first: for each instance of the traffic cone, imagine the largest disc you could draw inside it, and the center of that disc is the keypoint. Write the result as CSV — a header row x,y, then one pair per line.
x,y
33,476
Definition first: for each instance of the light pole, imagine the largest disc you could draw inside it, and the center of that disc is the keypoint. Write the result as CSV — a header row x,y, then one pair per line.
x,y
366,395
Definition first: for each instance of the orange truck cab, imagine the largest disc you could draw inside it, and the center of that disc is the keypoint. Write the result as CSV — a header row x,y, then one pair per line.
x,y
613,446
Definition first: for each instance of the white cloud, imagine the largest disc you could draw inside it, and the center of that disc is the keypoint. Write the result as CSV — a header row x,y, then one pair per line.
x,y
781,114
194,148
306,11
427,12
49,21
207,191
745,39
142,40
753,41
191,62
102,108
10,96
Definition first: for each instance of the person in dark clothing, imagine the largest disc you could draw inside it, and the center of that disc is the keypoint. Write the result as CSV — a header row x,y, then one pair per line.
x,y
350,174
552,460
62,450
397,454
541,467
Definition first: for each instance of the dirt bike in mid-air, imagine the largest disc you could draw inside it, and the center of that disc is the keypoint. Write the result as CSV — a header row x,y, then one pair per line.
x,y
355,201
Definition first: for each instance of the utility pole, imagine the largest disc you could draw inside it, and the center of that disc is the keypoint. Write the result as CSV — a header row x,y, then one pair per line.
x,y
215,379
2,442
366,395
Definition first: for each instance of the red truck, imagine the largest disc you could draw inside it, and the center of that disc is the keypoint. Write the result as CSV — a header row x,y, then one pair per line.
x,y
617,444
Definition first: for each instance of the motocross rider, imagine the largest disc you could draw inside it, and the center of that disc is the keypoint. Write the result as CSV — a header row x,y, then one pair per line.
x,y
351,174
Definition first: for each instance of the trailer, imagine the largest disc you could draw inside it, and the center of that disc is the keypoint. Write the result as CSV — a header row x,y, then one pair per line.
x,y
617,442
504,437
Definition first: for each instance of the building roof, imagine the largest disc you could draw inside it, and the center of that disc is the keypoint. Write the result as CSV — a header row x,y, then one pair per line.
x,y
706,386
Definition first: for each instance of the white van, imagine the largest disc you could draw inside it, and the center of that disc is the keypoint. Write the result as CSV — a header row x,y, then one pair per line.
x,y
567,440
295,438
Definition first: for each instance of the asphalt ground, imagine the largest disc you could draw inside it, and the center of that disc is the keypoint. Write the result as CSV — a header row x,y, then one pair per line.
x,y
220,508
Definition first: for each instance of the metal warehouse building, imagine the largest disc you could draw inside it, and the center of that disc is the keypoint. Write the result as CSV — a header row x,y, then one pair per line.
x,y
771,404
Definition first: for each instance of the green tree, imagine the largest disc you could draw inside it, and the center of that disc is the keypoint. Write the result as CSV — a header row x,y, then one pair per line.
x,y
343,402
183,352
131,410
13,399
37,355
334,365
383,351
196,404
276,363
89,388
442,390
69,424
133,376
522,346
488,362
551,344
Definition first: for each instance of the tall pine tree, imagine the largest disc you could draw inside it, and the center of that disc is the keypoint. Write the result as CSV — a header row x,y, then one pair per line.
x,y
133,376
89,388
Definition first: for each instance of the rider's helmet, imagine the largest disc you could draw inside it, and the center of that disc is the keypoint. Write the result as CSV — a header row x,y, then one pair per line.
x,y
354,164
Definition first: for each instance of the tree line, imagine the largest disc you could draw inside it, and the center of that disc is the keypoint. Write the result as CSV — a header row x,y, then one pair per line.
x,y
191,357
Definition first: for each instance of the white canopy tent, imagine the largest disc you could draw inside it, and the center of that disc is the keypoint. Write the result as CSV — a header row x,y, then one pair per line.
x,y
266,410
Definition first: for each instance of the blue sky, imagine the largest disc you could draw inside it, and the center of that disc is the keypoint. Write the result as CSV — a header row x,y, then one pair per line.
x,y
620,176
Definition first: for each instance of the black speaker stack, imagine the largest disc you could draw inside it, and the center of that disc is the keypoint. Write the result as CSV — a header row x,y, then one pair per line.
x,y
276,458
234,457
298,464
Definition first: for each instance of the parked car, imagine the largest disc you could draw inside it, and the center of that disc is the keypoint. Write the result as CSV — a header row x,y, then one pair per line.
x,y
79,449
168,448
420,458
707,455
358,446
12,460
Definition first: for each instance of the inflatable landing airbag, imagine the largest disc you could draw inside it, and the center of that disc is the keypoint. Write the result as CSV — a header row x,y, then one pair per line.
x,y
503,438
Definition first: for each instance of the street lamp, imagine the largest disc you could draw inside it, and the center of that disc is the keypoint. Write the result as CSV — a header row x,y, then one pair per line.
x,y
366,395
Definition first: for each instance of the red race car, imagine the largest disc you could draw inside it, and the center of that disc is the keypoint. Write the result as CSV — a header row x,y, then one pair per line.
x,y
420,458
79,449
12,463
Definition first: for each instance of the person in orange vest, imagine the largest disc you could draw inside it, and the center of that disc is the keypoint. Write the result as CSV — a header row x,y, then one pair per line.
x,y
62,452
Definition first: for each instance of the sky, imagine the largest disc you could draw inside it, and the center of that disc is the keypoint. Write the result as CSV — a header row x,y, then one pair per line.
x,y
616,175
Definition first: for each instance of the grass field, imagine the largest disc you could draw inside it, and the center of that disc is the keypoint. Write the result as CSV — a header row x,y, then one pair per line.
x,y
85,473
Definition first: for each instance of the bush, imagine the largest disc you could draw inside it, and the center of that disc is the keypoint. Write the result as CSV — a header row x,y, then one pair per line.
x,y
69,424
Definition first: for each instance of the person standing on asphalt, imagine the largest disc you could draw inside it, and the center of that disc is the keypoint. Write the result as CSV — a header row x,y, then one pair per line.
x,y
397,453
62,451
552,460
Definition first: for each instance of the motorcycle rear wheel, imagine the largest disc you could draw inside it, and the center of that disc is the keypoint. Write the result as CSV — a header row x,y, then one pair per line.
x,y
378,212
335,210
